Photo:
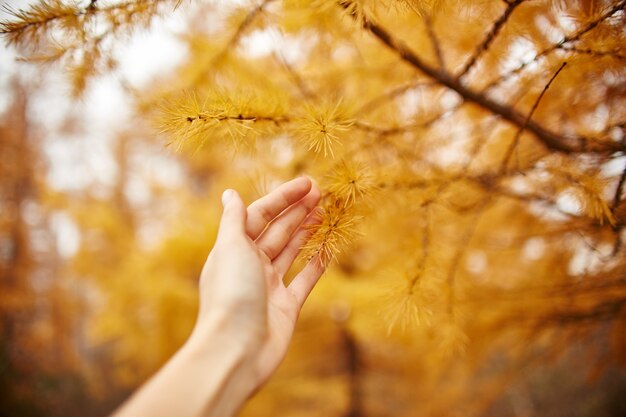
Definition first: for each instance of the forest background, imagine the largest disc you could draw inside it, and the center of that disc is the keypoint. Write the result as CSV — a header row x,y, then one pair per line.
x,y
472,159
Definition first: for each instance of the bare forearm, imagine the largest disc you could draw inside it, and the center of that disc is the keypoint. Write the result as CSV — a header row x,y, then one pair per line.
x,y
209,376
247,313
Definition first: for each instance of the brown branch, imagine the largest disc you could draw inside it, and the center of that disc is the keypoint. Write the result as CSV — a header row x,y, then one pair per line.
x,y
425,248
606,311
232,42
388,131
550,139
434,41
588,51
13,29
388,95
491,35
616,201
464,241
519,132
240,117
619,190
570,38
353,369
234,39
304,90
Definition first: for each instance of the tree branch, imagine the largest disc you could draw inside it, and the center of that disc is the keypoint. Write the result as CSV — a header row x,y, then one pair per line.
x,y
495,29
234,39
519,132
550,139
390,94
434,41
588,51
570,38
304,90
619,190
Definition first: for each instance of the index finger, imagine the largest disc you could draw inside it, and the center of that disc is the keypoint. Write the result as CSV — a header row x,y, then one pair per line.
x,y
266,208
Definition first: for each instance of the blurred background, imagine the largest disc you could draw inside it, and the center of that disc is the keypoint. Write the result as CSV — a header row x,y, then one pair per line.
x,y
484,273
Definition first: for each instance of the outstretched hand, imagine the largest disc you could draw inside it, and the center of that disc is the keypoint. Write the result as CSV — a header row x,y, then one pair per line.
x,y
241,283
247,314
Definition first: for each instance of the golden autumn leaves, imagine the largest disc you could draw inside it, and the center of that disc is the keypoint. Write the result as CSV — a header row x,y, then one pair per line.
x,y
241,118
241,115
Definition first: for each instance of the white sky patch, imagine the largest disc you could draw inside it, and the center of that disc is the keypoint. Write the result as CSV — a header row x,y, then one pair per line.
x,y
453,149
547,211
158,167
598,119
553,34
264,42
589,259
614,167
520,185
137,191
152,53
521,50
476,262
568,203
411,102
534,248
617,134
566,22
282,150
66,233
7,69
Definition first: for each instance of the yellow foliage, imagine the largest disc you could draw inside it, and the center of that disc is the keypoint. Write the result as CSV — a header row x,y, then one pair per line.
x,y
472,218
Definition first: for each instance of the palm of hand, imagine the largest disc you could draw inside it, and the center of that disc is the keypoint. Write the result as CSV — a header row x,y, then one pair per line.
x,y
244,272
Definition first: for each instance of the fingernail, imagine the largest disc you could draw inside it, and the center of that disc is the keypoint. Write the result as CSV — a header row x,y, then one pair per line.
x,y
226,196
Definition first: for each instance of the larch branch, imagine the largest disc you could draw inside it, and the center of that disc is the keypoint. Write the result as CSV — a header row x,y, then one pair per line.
x,y
570,38
304,90
390,94
521,129
388,131
588,51
434,41
550,139
491,35
234,39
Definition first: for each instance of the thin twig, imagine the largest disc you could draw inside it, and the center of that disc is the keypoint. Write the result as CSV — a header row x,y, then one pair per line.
x,y
234,39
521,129
388,95
464,241
570,38
423,258
491,35
593,52
617,198
434,41
297,80
387,131
550,139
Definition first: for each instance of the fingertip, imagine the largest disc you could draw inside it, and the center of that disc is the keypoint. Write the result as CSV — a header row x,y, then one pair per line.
x,y
227,195
315,191
302,183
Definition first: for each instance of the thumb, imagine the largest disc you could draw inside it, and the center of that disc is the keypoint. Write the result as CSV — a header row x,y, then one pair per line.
x,y
233,221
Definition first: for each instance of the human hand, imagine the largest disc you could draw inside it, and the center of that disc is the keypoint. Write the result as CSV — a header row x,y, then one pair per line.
x,y
242,293
247,314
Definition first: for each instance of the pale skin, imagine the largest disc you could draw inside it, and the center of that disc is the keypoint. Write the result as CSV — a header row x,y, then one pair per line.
x,y
247,314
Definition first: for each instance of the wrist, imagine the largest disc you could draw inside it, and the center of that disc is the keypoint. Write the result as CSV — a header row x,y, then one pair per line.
x,y
227,365
222,330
